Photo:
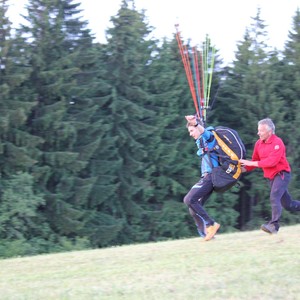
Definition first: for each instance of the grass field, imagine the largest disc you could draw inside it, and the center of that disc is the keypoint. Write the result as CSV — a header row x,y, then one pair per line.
x,y
245,265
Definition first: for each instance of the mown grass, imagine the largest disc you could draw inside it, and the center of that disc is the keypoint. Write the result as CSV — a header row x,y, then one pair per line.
x,y
245,265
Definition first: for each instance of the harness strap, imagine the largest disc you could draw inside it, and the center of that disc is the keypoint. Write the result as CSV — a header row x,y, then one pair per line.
x,y
231,154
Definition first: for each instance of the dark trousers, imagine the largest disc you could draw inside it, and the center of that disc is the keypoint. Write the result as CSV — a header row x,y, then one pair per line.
x,y
196,198
280,197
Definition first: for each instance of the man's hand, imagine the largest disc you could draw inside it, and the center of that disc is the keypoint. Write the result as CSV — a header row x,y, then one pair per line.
x,y
249,163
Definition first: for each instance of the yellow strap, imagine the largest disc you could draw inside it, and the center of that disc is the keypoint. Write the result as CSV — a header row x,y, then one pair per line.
x,y
230,153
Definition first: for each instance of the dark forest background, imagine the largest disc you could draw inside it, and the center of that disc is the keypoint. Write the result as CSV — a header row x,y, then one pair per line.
x,y
93,146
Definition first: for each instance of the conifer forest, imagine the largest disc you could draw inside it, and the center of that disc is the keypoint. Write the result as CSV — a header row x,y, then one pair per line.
x,y
94,149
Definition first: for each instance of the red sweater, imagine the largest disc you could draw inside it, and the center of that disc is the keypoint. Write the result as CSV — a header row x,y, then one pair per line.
x,y
271,156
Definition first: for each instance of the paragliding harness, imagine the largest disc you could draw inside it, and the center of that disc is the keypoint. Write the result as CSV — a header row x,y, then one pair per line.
x,y
229,148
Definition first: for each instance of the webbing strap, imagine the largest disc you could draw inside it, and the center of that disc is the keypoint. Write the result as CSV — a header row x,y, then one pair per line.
x,y
230,153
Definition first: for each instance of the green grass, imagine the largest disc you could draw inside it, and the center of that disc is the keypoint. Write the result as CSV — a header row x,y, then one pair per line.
x,y
245,265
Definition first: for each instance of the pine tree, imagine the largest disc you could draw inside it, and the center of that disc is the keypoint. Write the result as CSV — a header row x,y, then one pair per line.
x,y
56,41
128,56
101,227
16,103
20,207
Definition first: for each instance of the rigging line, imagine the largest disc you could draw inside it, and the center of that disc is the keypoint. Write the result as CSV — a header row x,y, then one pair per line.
x,y
201,75
214,99
203,70
196,77
198,65
203,96
200,83
185,59
193,90
211,72
206,69
198,80
190,79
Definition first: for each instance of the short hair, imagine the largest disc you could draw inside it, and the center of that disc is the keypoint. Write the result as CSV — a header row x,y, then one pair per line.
x,y
269,123
192,124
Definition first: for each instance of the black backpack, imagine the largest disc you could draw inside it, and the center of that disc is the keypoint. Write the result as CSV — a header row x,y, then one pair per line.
x,y
229,149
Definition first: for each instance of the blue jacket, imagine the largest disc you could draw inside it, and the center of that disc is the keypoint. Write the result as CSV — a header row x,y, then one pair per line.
x,y
206,142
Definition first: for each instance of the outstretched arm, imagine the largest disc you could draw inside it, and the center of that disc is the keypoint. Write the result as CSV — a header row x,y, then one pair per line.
x,y
249,163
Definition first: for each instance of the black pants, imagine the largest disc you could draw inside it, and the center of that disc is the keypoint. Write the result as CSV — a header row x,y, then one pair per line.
x,y
196,198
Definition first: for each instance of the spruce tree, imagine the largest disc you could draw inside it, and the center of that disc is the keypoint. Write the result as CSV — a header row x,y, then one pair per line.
x,y
16,102
129,53
92,104
56,40
22,226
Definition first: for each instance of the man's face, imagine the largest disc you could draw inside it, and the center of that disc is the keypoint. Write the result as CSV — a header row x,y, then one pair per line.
x,y
194,132
264,132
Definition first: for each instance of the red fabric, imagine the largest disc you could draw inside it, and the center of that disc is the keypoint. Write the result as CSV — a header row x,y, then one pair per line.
x,y
271,156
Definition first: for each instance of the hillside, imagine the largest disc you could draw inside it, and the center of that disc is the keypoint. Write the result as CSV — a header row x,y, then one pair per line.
x,y
244,265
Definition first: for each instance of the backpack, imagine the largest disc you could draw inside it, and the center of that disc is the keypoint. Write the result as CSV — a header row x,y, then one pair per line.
x,y
229,148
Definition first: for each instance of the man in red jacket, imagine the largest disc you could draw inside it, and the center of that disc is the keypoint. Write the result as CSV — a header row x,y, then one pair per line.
x,y
269,154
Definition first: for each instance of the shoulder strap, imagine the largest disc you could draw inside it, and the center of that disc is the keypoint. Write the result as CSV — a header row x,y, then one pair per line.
x,y
225,148
230,153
